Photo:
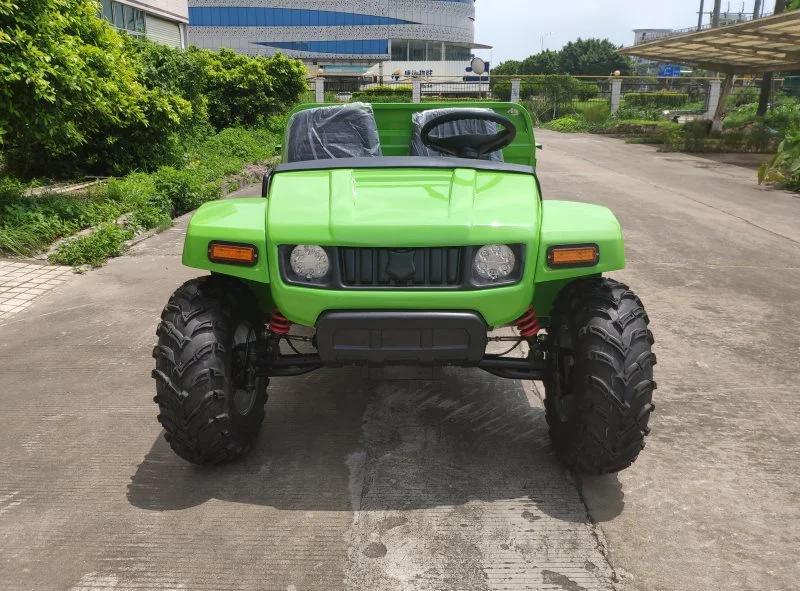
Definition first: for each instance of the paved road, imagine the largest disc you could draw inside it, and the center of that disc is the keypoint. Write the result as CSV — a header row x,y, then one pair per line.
x,y
422,485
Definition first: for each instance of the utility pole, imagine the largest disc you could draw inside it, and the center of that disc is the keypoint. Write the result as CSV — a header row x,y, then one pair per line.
x,y
757,9
700,17
715,15
766,81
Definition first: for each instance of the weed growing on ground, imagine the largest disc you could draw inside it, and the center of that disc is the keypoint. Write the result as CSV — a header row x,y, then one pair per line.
x,y
95,248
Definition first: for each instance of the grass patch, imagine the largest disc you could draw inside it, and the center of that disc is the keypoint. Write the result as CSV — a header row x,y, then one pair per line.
x,y
93,249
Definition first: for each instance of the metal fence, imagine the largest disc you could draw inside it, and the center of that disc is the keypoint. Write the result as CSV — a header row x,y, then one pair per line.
x,y
551,97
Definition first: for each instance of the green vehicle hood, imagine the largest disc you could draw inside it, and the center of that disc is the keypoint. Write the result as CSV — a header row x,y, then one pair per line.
x,y
403,207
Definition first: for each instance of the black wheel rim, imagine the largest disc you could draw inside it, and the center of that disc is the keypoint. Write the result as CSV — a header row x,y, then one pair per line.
x,y
244,387
563,374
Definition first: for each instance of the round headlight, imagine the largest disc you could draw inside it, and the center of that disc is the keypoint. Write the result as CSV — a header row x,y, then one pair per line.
x,y
309,262
494,261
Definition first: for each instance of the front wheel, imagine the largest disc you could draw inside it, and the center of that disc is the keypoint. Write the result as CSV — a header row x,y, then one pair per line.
x,y
599,390
211,404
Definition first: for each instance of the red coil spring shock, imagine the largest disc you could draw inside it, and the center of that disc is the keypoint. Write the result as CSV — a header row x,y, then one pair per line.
x,y
278,323
528,325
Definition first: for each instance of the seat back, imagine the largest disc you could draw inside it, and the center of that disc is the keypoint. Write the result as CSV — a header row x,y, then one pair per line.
x,y
456,128
342,131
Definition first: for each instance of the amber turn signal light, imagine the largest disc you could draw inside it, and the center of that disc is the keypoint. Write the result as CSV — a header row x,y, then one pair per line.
x,y
232,254
578,255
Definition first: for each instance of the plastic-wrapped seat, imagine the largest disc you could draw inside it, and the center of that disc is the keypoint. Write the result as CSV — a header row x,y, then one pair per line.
x,y
456,128
342,131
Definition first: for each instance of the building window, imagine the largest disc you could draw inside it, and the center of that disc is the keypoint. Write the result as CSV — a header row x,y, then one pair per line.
x,y
399,50
214,16
455,53
123,17
417,51
354,47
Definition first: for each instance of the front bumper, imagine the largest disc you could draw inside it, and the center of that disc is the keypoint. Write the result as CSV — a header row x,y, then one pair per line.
x,y
379,338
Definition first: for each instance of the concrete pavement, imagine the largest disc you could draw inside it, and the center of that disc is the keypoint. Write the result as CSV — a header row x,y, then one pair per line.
x,y
713,501
422,485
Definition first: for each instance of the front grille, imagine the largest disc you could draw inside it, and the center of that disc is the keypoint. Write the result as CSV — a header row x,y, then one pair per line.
x,y
402,267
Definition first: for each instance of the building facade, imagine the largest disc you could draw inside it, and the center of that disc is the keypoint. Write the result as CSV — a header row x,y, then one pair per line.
x,y
161,21
338,33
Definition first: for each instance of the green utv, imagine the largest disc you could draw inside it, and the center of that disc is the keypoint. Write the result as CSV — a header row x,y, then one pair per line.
x,y
402,234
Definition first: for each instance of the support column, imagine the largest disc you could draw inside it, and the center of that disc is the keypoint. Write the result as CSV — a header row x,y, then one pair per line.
x,y
723,99
714,87
416,93
616,94
515,90
319,88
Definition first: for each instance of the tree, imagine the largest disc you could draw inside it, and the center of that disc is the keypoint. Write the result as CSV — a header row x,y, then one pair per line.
x,y
509,68
593,57
244,90
69,89
547,62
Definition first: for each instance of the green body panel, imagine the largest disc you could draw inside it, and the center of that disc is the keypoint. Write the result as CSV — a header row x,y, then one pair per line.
x,y
385,207
570,222
395,128
404,208
230,220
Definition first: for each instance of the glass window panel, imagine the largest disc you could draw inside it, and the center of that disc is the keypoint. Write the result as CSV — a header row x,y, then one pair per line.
x,y
140,26
314,18
305,17
399,50
295,17
416,50
118,21
130,18
107,12
350,19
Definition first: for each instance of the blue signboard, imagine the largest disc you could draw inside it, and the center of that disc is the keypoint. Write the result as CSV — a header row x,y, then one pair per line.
x,y
669,71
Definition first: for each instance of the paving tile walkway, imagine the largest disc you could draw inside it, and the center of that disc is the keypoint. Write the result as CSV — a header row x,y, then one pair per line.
x,y
22,282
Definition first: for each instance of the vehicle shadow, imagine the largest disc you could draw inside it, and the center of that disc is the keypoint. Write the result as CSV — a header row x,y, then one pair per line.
x,y
333,441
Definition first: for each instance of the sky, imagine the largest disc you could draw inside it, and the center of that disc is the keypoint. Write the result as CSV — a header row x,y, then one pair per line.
x,y
515,27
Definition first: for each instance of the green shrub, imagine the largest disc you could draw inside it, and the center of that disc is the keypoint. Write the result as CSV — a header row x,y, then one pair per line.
x,y
656,100
596,112
567,125
628,113
93,249
10,188
743,96
184,189
586,90
243,90
783,118
784,170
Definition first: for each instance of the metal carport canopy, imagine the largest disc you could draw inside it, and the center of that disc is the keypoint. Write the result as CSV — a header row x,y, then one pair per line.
x,y
763,45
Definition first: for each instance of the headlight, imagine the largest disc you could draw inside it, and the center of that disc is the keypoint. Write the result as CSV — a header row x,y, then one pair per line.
x,y
309,262
494,261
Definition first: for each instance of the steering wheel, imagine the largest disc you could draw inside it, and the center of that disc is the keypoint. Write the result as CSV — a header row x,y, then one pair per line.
x,y
469,145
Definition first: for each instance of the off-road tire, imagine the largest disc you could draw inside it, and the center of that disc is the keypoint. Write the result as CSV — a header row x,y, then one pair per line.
x,y
611,378
194,373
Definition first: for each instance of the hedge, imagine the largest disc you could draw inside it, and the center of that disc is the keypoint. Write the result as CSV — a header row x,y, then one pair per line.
x,y
384,94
